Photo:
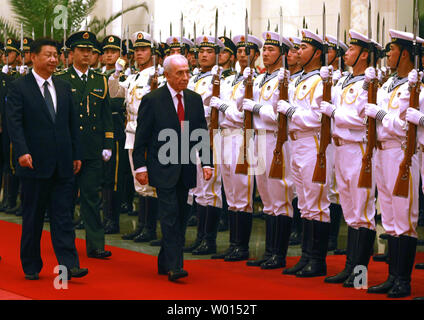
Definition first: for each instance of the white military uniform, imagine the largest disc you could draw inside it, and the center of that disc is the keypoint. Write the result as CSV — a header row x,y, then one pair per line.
x,y
399,215
238,187
349,136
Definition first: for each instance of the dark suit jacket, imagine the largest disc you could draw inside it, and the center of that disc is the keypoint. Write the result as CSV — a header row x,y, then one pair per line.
x,y
32,130
156,113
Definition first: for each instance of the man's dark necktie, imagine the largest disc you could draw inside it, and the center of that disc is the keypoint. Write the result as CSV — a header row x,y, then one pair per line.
x,y
49,101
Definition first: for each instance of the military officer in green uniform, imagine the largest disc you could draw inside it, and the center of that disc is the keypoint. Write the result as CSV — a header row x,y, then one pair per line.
x,y
227,57
91,98
114,170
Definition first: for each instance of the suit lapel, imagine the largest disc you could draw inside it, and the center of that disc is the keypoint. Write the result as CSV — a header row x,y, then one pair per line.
x,y
59,97
171,108
32,84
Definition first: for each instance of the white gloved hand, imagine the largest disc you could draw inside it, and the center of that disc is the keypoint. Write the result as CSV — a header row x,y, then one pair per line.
x,y
152,72
196,71
413,115
327,108
414,77
336,76
160,70
23,69
106,154
371,110
216,71
370,74
380,75
246,73
283,74
128,72
119,66
216,102
248,105
5,69
325,72
283,106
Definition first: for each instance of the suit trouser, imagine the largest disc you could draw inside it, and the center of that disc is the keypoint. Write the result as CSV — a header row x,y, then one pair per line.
x,y
89,181
54,194
173,215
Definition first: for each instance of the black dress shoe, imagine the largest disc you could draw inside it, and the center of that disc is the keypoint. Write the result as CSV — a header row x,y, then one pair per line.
x,y
33,276
132,235
79,225
77,272
275,262
419,266
156,243
144,236
204,249
99,254
177,274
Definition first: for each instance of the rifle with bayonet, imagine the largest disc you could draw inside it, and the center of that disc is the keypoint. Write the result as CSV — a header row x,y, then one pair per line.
x,y
277,165
365,176
154,78
243,166
22,46
196,52
216,86
401,188
320,171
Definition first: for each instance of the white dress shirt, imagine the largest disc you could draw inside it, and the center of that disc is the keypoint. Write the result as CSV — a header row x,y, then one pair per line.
x,y
40,83
79,73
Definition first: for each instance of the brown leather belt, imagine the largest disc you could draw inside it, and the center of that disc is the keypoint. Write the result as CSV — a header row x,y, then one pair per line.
x,y
391,144
338,142
296,135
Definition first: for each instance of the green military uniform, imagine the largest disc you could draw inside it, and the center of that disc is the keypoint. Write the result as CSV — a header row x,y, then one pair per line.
x,y
92,103
114,170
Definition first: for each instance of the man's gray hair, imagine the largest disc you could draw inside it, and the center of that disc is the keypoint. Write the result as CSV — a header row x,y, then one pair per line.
x,y
173,59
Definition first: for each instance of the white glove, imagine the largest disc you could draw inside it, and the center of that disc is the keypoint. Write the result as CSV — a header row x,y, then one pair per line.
x,y
196,71
283,74
325,72
336,76
216,71
5,69
128,72
152,72
414,77
23,69
371,110
283,106
119,66
106,154
160,70
380,76
248,105
370,74
246,73
215,102
413,116
327,108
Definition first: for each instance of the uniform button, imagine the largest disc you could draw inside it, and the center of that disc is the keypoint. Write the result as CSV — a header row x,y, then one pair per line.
x,y
81,128
94,115
94,103
81,104
94,128
81,115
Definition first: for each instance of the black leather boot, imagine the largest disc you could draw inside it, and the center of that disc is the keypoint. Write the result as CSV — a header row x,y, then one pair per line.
x,y
201,215
150,219
392,251
352,236
232,225
208,244
241,250
141,219
107,209
317,266
193,220
335,217
405,258
306,249
269,241
282,227
363,253
297,225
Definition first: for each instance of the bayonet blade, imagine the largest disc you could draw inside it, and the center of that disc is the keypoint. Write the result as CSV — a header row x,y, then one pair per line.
x,y
181,34
246,34
216,38
338,42
378,28
281,37
44,29
269,26
324,35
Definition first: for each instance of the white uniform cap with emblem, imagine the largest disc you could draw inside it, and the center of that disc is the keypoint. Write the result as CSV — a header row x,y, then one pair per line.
x,y
273,38
240,41
312,38
296,41
173,42
403,38
141,39
208,41
332,42
358,39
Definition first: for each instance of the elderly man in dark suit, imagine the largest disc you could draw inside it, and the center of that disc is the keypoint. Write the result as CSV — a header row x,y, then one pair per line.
x,y
171,109
43,128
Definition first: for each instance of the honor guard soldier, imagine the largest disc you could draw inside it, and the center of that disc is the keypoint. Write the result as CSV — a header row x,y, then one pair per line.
x,y
399,215
227,57
304,126
207,194
133,89
26,48
95,57
114,169
276,194
238,187
174,44
349,137
11,57
293,58
128,56
65,62
91,98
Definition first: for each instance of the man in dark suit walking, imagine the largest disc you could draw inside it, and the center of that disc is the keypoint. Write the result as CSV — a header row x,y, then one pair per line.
x,y
43,128
171,109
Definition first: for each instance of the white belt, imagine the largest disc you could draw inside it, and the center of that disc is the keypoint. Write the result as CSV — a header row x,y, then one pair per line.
x,y
296,135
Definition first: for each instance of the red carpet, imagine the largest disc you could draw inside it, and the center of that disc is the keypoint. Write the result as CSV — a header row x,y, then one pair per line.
x,y
132,276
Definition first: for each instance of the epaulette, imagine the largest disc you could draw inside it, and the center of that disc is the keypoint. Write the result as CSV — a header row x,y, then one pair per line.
x,y
59,73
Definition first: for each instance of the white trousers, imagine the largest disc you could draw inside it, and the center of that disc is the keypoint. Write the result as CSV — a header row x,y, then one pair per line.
x,y
399,215
358,204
